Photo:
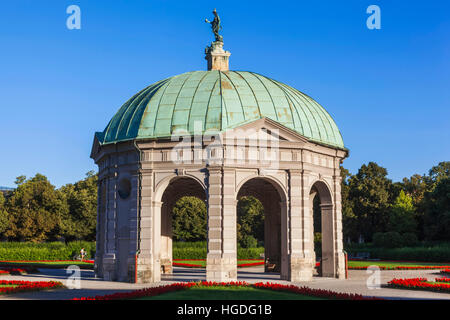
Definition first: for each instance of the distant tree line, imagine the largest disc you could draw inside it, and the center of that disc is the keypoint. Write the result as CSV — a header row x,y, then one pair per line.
x,y
394,214
36,211
189,221
374,209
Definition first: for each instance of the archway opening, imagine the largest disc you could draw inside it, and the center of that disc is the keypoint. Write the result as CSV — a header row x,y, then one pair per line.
x,y
266,227
321,205
185,198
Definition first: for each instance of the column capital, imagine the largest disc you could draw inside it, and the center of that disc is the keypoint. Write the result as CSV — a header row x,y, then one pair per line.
x,y
157,204
145,171
214,169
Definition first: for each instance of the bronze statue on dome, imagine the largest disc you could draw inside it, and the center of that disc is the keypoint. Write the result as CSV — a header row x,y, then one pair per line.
x,y
215,25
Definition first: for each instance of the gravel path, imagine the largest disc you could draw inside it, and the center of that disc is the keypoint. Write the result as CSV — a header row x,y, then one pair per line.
x,y
91,286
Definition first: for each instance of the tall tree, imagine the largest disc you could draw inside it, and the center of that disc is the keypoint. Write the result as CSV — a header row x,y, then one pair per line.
x,y
80,220
35,208
370,193
189,219
402,215
349,219
439,172
250,221
437,214
416,187
4,219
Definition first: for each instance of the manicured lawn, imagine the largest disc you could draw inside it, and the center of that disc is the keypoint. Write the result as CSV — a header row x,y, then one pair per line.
x,y
229,293
202,263
7,286
351,263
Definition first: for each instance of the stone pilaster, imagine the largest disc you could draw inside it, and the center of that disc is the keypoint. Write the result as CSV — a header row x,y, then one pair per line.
x,y
221,262
100,234
328,243
338,238
146,257
133,225
301,264
109,256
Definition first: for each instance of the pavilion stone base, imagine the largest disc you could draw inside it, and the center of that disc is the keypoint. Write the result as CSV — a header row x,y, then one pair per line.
x,y
145,271
166,266
109,267
301,270
340,258
221,269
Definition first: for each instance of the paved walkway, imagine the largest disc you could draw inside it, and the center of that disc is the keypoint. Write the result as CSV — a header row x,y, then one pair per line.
x,y
91,286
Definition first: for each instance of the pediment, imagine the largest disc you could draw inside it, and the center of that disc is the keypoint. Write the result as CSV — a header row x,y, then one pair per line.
x,y
265,128
95,147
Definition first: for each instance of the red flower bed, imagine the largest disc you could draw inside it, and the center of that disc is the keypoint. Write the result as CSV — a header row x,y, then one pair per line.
x,y
14,270
188,265
24,286
443,279
419,284
148,292
252,264
445,271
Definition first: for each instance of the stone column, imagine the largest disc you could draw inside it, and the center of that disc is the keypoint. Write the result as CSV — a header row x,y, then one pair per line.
x,y
100,235
221,262
338,236
109,257
166,237
328,243
133,224
285,259
145,259
299,224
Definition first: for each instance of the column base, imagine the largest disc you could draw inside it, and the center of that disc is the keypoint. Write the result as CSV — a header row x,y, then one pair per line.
x,y
109,267
301,269
166,266
148,271
221,269
340,266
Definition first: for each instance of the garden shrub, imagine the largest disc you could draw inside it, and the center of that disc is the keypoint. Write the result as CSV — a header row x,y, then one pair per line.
x,y
409,239
392,239
248,241
198,250
378,239
387,240
44,251
424,253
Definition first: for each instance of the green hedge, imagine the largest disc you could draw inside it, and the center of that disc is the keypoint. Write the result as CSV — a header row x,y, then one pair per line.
x,y
198,250
436,253
44,251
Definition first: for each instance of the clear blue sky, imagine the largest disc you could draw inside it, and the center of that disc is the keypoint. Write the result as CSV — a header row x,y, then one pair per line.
x,y
388,90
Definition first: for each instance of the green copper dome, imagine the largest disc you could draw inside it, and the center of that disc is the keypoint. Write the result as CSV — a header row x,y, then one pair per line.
x,y
215,101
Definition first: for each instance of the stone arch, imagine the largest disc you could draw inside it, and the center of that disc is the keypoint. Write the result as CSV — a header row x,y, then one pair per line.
x,y
322,190
162,185
175,187
273,197
273,180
